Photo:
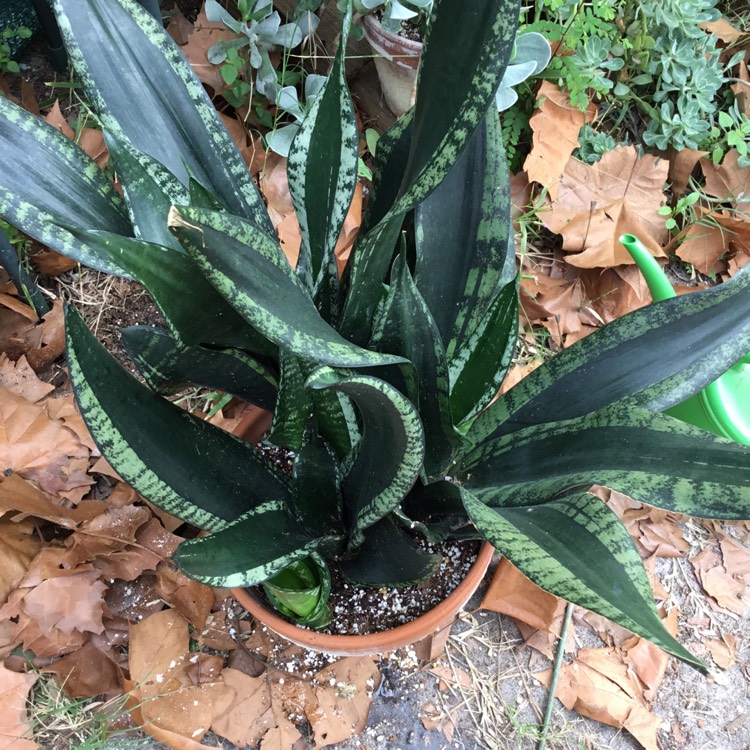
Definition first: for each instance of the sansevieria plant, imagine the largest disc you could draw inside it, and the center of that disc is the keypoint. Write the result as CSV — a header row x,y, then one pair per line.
x,y
382,381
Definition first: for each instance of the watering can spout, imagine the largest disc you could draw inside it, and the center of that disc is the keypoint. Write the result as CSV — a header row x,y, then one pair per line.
x,y
722,407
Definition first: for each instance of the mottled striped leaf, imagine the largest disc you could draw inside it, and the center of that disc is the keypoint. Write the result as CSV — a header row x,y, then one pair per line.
x,y
318,504
405,327
389,456
247,552
649,456
388,557
322,171
465,246
249,270
465,54
180,463
26,286
295,405
480,365
146,92
46,179
166,366
177,286
150,190
660,355
576,548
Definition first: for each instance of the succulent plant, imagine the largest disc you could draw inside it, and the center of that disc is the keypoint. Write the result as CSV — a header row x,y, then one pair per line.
x,y
395,12
382,382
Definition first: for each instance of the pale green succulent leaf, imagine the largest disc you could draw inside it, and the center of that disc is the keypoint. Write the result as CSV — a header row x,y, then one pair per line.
x,y
576,548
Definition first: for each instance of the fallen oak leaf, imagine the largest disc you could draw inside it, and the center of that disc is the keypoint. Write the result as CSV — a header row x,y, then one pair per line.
x,y
555,127
87,673
15,729
251,716
728,180
620,194
20,378
190,598
17,549
715,234
15,304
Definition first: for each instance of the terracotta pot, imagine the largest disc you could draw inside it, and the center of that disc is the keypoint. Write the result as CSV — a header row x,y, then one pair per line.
x,y
397,63
427,633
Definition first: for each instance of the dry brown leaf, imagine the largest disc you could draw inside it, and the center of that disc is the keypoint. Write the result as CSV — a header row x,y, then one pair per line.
x,y
741,90
520,195
190,598
64,408
92,142
15,729
728,181
132,600
203,36
724,651
20,378
179,28
648,661
555,126
50,263
15,304
729,593
17,549
716,234
250,717
589,692
56,118
511,593
620,194
681,166
283,737
86,673
17,494
724,30
45,342
344,694
68,603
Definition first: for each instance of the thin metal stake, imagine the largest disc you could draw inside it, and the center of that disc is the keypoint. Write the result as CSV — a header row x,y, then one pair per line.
x,y
555,677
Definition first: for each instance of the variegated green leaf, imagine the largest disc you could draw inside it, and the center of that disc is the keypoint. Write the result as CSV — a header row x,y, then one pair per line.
x,y
249,270
166,454
295,405
46,179
405,327
659,355
166,366
576,548
480,365
146,92
388,557
150,190
652,457
322,171
465,244
250,550
389,456
465,54
176,285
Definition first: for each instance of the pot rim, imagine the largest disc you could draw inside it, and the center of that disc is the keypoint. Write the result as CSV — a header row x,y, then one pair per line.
x,y
400,50
425,625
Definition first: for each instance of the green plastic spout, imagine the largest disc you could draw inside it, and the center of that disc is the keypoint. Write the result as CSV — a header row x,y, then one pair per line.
x,y
722,407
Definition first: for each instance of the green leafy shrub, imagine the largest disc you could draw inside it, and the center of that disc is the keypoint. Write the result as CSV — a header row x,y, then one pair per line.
x,y
382,383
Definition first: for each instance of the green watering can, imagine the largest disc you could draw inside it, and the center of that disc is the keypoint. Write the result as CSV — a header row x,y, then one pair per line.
x,y
722,407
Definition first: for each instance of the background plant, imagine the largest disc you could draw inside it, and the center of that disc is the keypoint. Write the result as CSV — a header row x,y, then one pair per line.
x,y
7,63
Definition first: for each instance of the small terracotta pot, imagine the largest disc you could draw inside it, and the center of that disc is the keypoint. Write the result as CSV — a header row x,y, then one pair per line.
x,y
427,633
397,63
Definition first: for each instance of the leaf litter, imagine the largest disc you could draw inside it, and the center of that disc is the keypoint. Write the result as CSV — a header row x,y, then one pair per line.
x,y
90,594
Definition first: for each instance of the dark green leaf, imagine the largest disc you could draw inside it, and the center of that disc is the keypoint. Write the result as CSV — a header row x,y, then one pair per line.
x,y
651,457
250,271
165,365
576,548
47,179
660,355
389,455
294,407
146,92
166,454
249,551
388,557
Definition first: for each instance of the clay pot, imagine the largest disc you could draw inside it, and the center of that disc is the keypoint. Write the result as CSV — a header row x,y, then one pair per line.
x,y
427,633
397,63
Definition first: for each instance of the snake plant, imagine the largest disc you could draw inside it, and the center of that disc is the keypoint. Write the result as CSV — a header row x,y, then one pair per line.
x,y
381,382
